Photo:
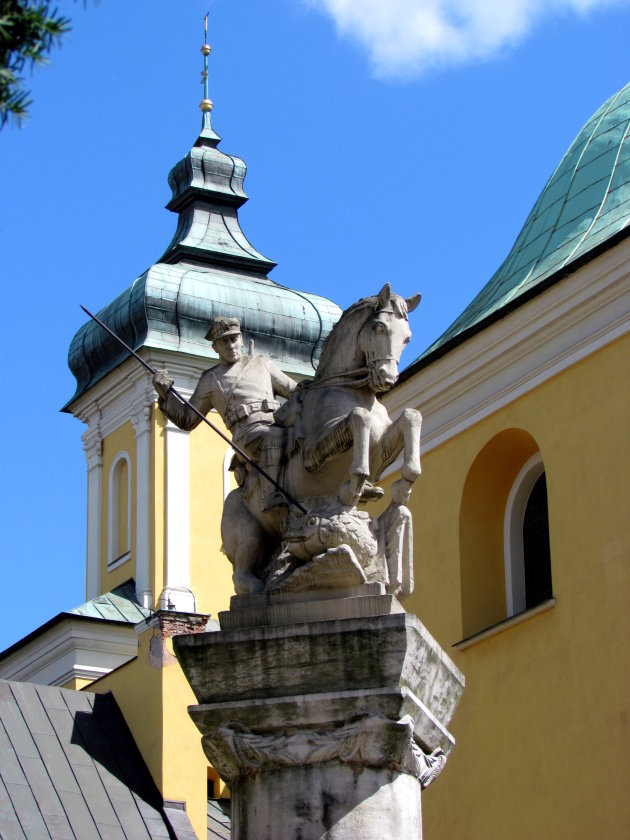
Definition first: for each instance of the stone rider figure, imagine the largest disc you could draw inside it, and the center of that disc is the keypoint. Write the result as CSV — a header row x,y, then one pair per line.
x,y
242,390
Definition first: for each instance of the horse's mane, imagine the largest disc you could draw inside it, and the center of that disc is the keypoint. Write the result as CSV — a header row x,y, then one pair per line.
x,y
365,306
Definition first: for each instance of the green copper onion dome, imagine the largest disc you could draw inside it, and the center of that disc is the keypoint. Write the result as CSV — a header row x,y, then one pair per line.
x,y
208,269
584,208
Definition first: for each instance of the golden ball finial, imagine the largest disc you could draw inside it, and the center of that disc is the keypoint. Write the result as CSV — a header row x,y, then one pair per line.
x,y
205,50
206,105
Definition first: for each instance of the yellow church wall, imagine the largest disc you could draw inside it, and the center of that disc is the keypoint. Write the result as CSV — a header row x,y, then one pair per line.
x,y
210,570
122,439
77,683
542,727
153,695
185,769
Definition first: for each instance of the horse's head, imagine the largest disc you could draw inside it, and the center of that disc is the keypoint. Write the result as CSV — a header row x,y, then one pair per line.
x,y
383,337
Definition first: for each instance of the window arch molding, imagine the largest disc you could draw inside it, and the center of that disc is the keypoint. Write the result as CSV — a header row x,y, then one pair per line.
x,y
513,546
117,553
490,477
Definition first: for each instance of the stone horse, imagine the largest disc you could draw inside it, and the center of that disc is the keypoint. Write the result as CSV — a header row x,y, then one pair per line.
x,y
337,437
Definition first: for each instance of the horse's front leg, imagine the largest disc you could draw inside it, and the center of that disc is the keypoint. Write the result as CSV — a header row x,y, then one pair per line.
x,y
404,433
353,431
359,423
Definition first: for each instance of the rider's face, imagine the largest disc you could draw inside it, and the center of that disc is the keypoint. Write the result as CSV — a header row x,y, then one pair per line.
x,y
229,348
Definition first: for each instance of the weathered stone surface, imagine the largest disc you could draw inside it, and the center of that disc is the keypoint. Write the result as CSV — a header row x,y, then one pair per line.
x,y
332,709
353,654
306,607
335,802
265,599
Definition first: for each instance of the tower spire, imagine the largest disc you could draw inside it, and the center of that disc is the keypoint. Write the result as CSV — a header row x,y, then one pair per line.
x,y
208,135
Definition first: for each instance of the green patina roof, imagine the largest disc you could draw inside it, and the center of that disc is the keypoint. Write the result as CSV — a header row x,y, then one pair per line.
x,y
118,605
208,270
586,202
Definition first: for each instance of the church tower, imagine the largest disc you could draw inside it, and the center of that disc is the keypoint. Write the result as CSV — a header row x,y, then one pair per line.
x,y
155,493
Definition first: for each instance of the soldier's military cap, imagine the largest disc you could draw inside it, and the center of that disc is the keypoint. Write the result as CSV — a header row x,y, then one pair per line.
x,y
223,327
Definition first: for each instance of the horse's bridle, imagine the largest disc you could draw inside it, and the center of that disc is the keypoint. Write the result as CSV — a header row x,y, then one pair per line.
x,y
359,376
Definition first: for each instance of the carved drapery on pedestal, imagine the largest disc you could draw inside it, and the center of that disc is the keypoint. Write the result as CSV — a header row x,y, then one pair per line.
x,y
372,741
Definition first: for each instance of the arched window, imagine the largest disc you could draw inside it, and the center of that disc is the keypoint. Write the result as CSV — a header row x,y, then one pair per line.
x,y
119,511
502,533
526,540
536,554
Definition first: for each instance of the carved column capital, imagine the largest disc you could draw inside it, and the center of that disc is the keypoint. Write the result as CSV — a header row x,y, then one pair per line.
x,y
371,741
93,446
141,420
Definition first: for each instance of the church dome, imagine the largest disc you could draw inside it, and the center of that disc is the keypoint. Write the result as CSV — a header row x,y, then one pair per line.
x,y
583,209
209,269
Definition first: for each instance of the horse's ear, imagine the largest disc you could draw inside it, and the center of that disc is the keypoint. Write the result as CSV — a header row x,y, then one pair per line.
x,y
412,302
382,299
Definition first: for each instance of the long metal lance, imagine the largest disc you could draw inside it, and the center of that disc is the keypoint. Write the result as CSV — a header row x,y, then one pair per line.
x,y
199,414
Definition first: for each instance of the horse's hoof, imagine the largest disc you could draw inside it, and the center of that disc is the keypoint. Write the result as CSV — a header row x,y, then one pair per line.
x,y
247,584
371,493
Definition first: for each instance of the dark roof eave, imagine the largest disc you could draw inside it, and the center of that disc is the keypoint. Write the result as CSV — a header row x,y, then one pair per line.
x,y
181,253
443,349
191,194
68,408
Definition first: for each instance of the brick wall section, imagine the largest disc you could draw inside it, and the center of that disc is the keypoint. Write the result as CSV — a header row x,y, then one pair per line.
x,y
173,623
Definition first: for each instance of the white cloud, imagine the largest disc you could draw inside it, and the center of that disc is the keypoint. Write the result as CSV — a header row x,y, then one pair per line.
x,y
404,38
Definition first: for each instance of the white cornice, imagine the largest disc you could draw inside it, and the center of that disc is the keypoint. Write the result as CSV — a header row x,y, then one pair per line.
x,y
536,341
74,647
126,392
117,398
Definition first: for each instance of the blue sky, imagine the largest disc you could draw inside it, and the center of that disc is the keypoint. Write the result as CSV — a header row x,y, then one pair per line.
x,y
382,143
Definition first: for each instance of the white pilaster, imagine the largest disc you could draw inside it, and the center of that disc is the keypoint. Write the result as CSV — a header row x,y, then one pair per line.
x,y
177,594
93,448
142,427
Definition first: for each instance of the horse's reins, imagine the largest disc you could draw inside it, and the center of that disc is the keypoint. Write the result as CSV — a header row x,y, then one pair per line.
x,y
339,378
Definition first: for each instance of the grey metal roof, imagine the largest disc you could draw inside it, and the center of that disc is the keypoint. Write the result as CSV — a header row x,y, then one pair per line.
x,y
120,604
219,823
584,206
69,768
208,270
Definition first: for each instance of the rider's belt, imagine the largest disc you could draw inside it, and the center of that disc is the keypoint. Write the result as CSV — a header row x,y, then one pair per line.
x,y
242,411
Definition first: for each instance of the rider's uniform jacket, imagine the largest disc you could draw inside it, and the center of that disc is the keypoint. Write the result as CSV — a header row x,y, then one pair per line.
x,y
243,393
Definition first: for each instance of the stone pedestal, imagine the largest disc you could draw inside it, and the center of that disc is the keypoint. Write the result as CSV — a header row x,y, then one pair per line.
x,y
323,728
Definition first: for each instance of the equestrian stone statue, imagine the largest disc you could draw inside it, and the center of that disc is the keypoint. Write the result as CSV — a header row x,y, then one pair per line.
x,y
327,445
